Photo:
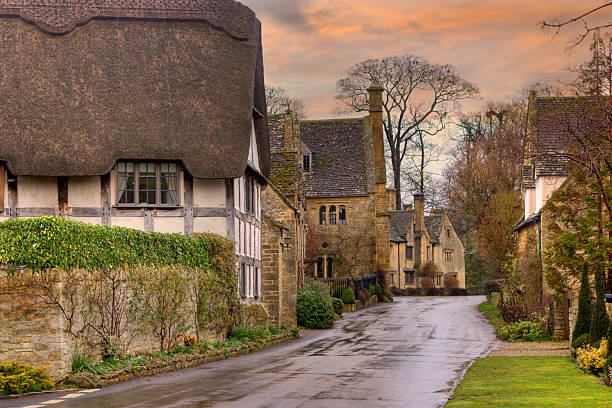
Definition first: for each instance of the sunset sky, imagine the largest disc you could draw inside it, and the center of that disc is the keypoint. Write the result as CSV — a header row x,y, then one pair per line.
x,y
497,44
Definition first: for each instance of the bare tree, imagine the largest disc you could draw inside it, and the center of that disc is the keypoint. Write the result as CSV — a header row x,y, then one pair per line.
x,y
581,19
416,93
280,101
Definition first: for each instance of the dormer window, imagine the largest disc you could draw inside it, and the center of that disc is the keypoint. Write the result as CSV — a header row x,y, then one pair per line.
x,y
307,163
147,184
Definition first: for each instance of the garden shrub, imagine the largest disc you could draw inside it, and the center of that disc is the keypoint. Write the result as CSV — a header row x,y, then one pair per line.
x,y
427,283
363,295
376,290
585,308
582,341
17,378
431,292
112,348
457,292
346,294
51,242
599,320
338,305
450,282
521,331
313,310
317,286
491,286
592,360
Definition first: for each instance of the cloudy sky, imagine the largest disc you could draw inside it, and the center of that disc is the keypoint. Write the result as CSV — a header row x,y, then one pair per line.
x,y
309,44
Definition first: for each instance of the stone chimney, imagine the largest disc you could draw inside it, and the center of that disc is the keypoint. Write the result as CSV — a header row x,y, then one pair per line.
x,y
383,253
419,225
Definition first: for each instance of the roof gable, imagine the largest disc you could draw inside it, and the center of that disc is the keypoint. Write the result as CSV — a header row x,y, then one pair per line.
x,y
400,223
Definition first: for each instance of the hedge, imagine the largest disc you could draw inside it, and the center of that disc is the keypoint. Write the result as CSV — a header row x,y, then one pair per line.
x,y
54,242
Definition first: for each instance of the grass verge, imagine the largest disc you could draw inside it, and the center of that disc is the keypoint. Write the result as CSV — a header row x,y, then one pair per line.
x,y
541,381
492,313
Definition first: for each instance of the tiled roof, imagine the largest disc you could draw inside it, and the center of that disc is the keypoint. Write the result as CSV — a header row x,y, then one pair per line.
x,y
434,225
554,116
399,224
342,160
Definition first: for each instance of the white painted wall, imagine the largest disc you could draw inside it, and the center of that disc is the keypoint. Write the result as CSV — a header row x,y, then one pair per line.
x,y
169,225
89,220
209,193
129,222
529,202
215,225
84,192
37,192
545,186
253,153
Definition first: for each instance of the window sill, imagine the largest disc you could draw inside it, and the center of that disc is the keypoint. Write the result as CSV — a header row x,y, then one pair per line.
x,y
146,207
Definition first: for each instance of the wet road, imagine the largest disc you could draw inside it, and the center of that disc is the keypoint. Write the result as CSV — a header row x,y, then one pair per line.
x,y
406,354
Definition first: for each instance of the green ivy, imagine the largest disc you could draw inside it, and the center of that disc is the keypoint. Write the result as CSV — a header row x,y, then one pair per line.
x,y
54,242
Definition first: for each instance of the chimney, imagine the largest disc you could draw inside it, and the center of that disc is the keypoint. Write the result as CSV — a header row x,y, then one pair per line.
x,y
419,224
380,168
383,248
291,133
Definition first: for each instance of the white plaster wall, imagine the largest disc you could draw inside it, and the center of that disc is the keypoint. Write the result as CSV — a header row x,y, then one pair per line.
x,y
169,224
84,192
209,193
128,222
37,192
545,186
215,225
5,188
88,220
529,202
253,153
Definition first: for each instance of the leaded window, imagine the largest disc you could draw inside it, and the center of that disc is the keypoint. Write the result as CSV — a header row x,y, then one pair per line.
x,y
342,215
306,163
332,215
147,183
322,215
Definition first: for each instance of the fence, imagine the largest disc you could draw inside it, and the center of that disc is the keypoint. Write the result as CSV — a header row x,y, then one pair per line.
x,y
361,283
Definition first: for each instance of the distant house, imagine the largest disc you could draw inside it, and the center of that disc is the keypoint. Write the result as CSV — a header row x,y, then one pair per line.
x,y
146,114
542,175
334,171
417,239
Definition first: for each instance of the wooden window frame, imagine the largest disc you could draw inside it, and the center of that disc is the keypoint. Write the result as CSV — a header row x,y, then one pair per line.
x,y
137,163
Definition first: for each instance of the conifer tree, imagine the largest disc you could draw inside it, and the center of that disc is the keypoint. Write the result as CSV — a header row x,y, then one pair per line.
x,y
600,320
585,308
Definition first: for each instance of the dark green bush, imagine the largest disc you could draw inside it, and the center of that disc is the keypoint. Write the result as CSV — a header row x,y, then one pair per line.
x,y
338,305
581,341
313,310
521,331
431,292
491,286
51,242
585,308
16,378
376,290
599,320
346,294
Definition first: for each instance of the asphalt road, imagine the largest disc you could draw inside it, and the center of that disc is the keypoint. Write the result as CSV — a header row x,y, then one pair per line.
x,y
409,353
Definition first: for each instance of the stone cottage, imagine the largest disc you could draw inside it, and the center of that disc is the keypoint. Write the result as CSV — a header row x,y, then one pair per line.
x,y
417,239
542,175
334,170
148,114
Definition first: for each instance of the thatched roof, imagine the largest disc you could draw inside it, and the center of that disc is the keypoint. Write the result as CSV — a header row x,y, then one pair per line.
x,y
141,79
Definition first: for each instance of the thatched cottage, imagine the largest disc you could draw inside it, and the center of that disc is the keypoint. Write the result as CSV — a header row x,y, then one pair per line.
x,y
148,114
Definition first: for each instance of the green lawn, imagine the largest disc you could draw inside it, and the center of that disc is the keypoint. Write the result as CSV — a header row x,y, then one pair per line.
x,y
492,313
529,382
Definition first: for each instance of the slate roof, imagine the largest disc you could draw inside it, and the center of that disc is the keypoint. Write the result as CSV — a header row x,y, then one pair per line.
x,y
554,118
342,158
399,223
143,80
434,226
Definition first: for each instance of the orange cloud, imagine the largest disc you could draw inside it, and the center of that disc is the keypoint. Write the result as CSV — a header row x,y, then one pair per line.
x,y
309,44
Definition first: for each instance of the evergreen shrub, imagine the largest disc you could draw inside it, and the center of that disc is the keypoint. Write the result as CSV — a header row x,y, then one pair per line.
x,y
346,294
581,341
338,305
585,308
55,242
600,320
313,310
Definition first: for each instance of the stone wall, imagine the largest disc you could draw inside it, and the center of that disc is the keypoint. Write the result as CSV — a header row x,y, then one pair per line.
x,y
352,246
282,266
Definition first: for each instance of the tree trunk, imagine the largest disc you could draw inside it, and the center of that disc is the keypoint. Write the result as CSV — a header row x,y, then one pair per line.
x,y
397,184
